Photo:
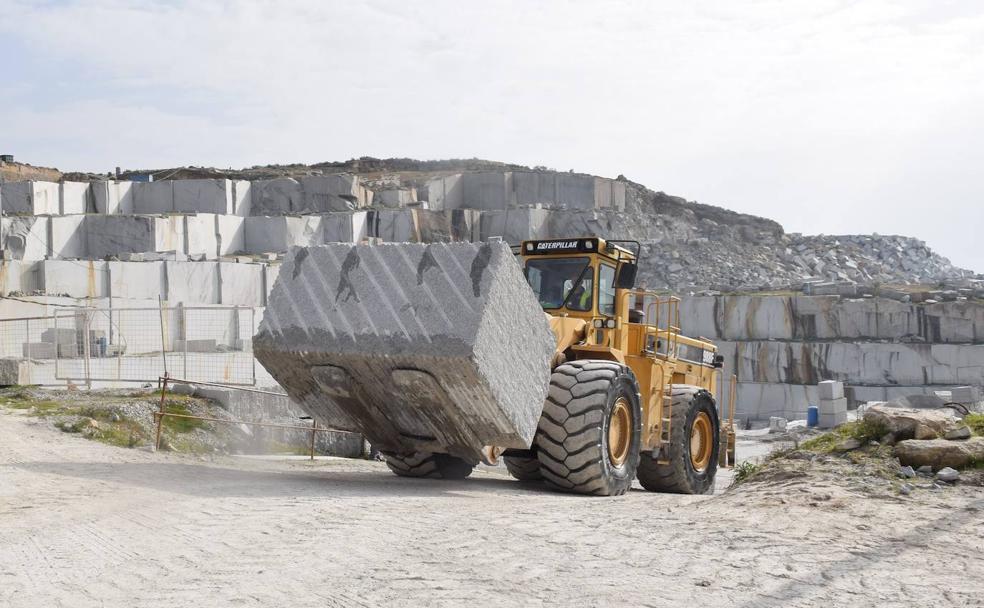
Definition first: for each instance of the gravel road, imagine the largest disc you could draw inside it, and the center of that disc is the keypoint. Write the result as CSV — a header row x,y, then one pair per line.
x,y
83,524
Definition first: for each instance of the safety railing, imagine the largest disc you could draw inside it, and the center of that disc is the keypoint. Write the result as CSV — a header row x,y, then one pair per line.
x,y
162,413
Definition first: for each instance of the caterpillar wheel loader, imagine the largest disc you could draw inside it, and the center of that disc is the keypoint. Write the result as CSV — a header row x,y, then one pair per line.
x,y
545,356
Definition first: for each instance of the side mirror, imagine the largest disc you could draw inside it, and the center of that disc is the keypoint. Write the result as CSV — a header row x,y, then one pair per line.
x,y
626,276
718,361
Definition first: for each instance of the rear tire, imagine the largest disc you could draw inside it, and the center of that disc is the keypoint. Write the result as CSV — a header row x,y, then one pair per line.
x,y
691,406
523,469
589,434
426,464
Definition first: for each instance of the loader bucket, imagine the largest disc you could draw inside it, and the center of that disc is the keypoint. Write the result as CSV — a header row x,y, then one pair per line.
x,y
436,348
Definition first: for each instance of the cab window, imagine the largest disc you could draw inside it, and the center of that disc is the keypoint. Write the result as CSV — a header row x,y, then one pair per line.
x,y
557,280
606,290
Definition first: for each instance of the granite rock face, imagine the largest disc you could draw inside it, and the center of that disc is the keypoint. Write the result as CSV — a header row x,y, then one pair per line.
x,y
439,348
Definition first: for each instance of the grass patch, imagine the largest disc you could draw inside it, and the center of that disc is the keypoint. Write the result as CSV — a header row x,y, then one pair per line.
x,y
862,430
123,433
181,425
975,422
744,471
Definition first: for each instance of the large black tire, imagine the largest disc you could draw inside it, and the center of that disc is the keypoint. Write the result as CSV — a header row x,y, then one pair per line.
x,y
572,439
426,464
523,469
679,476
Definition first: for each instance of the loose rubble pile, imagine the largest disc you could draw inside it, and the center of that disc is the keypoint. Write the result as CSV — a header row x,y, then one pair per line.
x,y
928,440
693,253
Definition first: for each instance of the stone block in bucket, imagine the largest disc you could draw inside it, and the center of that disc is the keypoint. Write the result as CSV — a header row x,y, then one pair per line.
x,y
439,348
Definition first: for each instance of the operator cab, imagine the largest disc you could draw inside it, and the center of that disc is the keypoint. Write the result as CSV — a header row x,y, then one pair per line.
x,y
579,276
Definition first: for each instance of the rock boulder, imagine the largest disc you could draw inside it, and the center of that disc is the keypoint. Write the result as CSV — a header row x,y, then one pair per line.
x,y
905,423
939,453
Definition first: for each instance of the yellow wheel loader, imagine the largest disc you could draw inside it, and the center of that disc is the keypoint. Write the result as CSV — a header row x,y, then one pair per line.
x,y
544,355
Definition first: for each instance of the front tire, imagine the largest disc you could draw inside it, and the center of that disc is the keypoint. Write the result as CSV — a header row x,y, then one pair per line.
x,y
589,434
426,464
693,446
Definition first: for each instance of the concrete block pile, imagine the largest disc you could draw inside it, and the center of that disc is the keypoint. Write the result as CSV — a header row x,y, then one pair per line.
x,y
833,404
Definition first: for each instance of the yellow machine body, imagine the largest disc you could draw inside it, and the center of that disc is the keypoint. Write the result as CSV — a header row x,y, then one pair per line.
x,y
635,327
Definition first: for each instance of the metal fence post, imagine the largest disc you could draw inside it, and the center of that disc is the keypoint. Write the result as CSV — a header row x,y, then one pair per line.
x,y
252,330
184,332
86,347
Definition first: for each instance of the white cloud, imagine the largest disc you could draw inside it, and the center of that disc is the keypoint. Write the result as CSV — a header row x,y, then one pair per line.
x,y
827,116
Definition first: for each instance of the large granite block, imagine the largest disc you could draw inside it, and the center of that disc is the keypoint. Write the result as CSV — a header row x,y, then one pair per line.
x,y
242,197
75,279
25,238
575,191
201,236
136,280
831,389
241,284
833,406
395,198
111,197
153,197
325,193
394,225
192,282
114,235
486,190
432,226
169,233
30,198
445,192
67,237
231,234
203,196
275,234
345,227
438,347
75,198
515,225
276,196
11,273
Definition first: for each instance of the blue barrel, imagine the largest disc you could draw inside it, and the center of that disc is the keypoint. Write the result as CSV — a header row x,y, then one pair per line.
x,y
812,416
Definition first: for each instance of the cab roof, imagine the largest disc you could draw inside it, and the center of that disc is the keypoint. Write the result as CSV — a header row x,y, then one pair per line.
x,y
589,245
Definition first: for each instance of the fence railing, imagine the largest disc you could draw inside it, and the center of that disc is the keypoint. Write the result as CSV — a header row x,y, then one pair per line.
x,y
85,345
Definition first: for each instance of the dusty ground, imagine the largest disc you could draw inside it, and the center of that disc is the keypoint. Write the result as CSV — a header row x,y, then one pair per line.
x,y
86,524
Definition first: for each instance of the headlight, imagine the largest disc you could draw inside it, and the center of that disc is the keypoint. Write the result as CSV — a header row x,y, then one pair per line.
x,y
610,324
529,246
599,323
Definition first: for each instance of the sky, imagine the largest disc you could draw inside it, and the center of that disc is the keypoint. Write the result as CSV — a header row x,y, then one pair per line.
x,y
828,116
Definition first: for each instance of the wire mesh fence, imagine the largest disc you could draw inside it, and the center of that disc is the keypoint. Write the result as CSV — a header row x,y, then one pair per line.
x,y
211,344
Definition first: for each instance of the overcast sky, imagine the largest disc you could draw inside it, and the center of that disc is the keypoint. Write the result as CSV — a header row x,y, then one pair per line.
x,y
828,116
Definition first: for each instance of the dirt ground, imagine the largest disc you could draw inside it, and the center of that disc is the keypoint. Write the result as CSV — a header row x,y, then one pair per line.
x,y
86,524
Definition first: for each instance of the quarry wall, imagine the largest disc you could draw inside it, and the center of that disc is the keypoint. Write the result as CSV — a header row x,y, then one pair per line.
x,y
219,242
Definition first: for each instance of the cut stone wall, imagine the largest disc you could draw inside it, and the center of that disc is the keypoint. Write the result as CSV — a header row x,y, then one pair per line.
x,y
830,318
781,346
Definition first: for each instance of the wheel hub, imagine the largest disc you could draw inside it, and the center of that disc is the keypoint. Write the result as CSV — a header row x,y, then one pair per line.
x,y
701,442
619,432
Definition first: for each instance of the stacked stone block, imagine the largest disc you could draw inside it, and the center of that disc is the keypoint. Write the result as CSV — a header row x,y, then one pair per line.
x,y
833,404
